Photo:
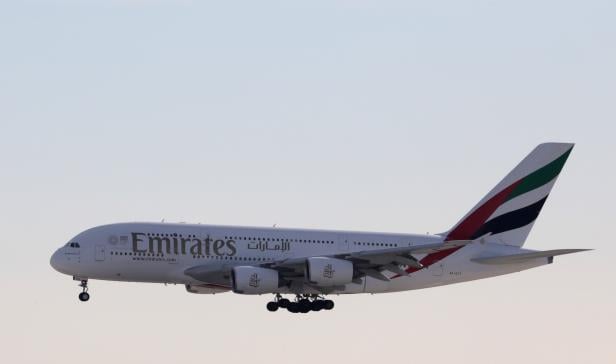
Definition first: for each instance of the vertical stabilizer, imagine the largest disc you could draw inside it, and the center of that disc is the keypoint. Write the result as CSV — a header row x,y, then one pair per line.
x,y
508,212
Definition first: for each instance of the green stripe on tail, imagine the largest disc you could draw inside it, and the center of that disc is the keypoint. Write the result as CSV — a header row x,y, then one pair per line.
x,y
541,176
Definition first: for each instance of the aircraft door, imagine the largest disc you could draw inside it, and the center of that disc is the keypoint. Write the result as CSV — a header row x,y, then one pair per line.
x,y
99,253
343,243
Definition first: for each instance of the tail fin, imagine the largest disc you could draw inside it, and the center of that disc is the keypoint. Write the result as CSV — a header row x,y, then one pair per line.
x,y
508,212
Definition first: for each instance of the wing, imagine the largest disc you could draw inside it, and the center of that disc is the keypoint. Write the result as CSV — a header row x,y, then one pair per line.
x,y
369,263
373,262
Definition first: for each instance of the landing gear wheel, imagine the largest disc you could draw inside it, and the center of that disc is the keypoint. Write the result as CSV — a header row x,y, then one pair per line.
x,y
328,304
272,306
283,303
84,296
305,305
293,307
317,305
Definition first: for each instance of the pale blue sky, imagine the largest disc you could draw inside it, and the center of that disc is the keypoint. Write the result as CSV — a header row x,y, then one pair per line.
x,y
366,115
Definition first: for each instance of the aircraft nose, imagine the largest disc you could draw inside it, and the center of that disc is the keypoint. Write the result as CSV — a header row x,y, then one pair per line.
x,y
56,260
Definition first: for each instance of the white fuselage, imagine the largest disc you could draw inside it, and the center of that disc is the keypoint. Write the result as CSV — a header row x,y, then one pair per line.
x,y
162,252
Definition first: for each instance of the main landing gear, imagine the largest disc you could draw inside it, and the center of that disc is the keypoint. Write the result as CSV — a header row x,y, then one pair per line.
x,y
301,304
84,295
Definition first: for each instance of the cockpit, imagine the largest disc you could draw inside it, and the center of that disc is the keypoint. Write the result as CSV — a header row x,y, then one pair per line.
x,y
72,245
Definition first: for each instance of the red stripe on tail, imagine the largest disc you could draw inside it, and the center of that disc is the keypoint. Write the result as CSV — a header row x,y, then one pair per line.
x,y
467,228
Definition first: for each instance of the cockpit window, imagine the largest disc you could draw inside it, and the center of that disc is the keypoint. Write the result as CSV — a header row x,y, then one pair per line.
x,y
73,245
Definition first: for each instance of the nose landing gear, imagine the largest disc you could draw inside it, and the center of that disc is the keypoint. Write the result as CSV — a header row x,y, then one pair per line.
x,y
84,295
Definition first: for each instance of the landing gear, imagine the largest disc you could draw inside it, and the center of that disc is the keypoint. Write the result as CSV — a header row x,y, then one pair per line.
x,y
301,304
84,295
305,305
328,305
272,306
276,303
283,303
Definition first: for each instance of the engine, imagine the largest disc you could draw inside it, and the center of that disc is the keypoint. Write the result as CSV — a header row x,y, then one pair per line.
x,y
205,289
254,280
328,272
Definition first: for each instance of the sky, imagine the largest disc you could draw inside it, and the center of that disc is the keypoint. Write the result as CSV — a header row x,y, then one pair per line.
x,y
365,115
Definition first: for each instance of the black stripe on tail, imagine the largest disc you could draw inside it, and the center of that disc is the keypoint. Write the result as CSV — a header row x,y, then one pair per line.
x,y
511,220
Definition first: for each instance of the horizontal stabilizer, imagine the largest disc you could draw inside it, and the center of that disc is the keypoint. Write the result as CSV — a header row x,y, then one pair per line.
x,y
518,258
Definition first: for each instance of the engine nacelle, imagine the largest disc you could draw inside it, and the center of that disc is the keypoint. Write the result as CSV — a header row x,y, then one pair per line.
x,y
205,289
328,272
254,280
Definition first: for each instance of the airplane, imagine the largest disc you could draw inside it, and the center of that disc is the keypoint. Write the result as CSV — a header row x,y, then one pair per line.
x,y
311,265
